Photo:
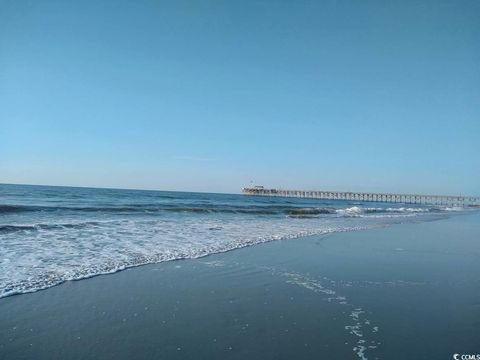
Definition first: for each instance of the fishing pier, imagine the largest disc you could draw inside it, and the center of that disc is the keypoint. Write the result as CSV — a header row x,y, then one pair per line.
x,y
366,196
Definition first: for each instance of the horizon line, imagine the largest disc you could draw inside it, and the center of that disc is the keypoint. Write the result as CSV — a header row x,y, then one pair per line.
x,y
120,188
238,193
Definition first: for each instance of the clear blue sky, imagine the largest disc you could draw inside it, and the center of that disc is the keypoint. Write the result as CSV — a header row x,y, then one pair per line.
x,y
209,95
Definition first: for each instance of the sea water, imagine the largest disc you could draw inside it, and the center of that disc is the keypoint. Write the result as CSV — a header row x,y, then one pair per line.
x,y
52,234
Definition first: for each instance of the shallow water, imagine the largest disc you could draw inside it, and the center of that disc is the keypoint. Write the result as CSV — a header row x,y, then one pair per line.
x,y
408,291
52,234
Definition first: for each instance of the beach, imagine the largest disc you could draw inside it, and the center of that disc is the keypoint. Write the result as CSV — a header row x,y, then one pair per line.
x,y
405,291
239,180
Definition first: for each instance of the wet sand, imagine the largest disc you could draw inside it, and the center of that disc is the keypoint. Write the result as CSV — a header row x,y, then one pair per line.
x,y
409,291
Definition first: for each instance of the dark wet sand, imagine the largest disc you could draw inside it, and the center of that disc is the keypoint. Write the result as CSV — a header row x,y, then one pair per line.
x,y
404,292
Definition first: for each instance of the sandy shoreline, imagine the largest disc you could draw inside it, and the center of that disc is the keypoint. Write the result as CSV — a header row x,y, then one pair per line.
x,y
406,291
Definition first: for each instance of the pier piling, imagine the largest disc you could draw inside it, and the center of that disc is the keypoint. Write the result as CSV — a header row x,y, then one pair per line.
x,y
366,196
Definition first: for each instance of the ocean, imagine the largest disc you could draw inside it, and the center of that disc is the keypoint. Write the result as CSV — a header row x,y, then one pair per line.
x,y
308,279
49,235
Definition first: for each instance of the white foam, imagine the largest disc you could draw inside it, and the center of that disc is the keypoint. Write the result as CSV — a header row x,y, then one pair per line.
x,y
403,209
44,253
352,211
357,314
453,208
33,260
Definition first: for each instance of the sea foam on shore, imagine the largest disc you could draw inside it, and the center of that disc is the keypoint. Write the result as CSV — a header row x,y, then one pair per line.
x,y
52,234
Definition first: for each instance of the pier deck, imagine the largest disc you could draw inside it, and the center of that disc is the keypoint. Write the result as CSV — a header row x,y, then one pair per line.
x,y
366,196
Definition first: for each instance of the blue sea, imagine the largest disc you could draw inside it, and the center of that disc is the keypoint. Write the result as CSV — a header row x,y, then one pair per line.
x,y
49,235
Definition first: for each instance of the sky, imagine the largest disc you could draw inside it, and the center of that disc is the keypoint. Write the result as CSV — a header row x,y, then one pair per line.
x,y
216,95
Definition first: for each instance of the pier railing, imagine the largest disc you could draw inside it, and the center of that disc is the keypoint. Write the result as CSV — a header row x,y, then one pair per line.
x,y
366,196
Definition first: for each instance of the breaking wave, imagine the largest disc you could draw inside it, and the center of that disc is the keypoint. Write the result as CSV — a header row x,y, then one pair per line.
x,y
129,244
51,235
37,227
222,208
